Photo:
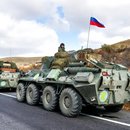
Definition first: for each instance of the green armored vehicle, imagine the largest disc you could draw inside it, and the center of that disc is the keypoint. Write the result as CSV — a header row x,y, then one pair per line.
x,y
92,83
9,75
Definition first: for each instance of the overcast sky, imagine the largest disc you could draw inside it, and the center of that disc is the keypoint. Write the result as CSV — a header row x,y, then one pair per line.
x,y
37,27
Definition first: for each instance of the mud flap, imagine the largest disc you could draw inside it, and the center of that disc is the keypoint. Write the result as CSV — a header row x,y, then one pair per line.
x,y
88,93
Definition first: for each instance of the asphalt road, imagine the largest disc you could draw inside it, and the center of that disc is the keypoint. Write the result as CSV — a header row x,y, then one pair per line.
x,y
20,116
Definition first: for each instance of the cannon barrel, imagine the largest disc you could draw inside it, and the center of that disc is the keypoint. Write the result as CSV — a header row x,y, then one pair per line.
x,y
77,64
74,70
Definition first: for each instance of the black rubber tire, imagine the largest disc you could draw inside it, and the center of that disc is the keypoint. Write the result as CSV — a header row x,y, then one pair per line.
x,y
113,108
21,92
49,98
32,95
70,102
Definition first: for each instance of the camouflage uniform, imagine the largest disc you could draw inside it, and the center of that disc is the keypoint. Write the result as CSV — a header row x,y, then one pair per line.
x,y
61,48
59,62
60,58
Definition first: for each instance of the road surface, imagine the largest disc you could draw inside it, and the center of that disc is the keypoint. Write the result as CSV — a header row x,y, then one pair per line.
x,y
20,116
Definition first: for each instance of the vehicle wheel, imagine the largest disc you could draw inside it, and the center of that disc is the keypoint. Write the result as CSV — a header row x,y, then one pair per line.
x,y
49,98
32,94
114,108
70,102
21,92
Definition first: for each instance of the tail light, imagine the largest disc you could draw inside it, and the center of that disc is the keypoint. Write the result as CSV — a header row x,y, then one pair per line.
x,y
104,73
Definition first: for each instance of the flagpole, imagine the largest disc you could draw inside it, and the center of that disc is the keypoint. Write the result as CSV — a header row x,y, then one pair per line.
x,y
88,39
94,22
88,36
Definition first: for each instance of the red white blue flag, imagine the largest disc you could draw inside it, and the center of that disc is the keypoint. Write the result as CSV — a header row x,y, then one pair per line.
x,y
95,22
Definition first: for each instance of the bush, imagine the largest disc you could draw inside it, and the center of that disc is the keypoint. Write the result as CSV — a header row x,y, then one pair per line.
x,y
108,53
107,48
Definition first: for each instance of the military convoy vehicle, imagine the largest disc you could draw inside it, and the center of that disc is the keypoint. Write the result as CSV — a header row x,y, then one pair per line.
x,y
90,83
9,75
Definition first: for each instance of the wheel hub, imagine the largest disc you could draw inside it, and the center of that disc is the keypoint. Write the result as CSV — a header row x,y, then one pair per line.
x,y
67,102
48,97
20,92
30,93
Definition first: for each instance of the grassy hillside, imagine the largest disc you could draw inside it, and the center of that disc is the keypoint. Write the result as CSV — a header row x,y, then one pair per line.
x,y
120,51
22,60
126,43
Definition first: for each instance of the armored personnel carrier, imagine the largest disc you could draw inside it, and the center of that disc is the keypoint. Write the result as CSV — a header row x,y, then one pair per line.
x,y
9,75
92,83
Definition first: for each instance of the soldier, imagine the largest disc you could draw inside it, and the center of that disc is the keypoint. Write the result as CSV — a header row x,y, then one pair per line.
x,y
61,48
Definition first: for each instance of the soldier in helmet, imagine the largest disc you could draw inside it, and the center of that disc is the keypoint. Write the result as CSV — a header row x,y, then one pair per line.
x,y
61,48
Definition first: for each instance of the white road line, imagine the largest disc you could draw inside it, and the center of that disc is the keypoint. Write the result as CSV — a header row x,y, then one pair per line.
x,y
105,119
96,117
7,95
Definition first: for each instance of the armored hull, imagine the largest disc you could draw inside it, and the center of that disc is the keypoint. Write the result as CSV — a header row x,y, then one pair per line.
x,y
9,75
92,83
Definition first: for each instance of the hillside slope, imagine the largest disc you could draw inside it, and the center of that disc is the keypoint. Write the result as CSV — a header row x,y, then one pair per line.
x,y
118,52
22,60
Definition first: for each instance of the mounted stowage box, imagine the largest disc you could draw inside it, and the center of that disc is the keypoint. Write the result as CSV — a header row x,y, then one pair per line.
x,y
84,77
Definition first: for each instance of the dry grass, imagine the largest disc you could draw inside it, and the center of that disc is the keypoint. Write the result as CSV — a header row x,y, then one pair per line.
x,y
125,43
127,106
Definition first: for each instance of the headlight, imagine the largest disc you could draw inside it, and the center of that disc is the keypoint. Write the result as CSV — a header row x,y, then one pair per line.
x,y
3,83
103,96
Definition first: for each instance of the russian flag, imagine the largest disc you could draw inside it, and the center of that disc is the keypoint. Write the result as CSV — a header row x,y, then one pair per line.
x,y
95,22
